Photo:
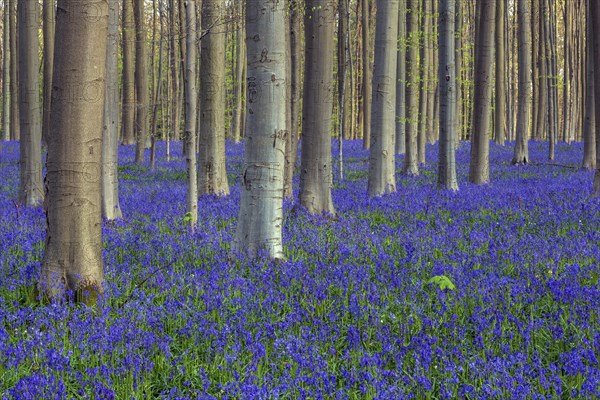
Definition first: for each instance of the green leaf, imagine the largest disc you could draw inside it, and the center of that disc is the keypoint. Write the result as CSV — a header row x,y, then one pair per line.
x,y
443,282
187,218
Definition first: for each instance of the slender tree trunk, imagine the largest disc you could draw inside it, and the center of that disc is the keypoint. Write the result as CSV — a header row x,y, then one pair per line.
x,y
175,67
141,82
382,160
73,256
111,208
31,190
190,113
316,171
15,133
541,84
431,87
240,64
521,151
411,161
458,69
367,85
479,169
128,111
296,59
447,81
212,176
424,81
401,80
158,96
589,143
6,56
501,94
48,26
261,206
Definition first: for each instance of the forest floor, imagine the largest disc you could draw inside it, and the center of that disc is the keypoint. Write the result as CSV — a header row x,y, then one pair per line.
x,y
489,292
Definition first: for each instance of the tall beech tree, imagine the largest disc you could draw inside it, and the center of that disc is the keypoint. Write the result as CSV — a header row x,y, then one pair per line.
x,y
501,92
316,174
589,141
212,174
521,149
411,162
261,206
382,160
128,99
401,80
15,131
447,82
595,20
73,256
48,27
479,168
111,208
6,95
190,113
366,70
31,189
141,82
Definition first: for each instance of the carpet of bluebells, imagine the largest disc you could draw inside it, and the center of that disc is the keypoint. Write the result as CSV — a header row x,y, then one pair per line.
x,y
489,292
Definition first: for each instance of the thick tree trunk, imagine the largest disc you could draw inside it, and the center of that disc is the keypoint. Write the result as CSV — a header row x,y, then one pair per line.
x,y
501,94
48,26
431,88
479,168
401,80
141,82
458,69
382,160
15,130
521,150
212,175
589,128
316,170
411,161
111,208
6,56
73,256
128,105
367,83
190,113
261,206
447,82
424,80
31,191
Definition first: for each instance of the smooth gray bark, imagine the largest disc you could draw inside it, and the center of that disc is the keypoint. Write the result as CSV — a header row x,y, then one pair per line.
x,y
316,169
261,206
401,80
595,18
382,160
128,101
479,168
111,208
411,163
48,19
212,174
6,95
141,82
15,131
190,114
521,150
73,256
31,191
589,127
501,93
447,85
367,73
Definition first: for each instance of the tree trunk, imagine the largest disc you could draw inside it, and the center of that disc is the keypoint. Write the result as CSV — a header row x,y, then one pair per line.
x,y
521,152
589,143
240,64
111,208
212,176
293,69
411,162
48,21
401,80
141,82
261,206
316,171
367,84
128,110
15,133
424,81
501,95
430,56
190,113
447,82
382,160
458,69
479,169
6,56
31,190
73,257
157,100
